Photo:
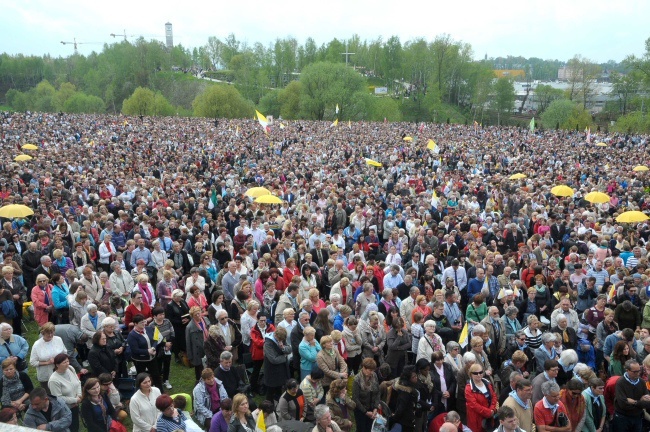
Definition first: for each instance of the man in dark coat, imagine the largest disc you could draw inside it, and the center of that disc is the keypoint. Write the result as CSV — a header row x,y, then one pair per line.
x,y
276,364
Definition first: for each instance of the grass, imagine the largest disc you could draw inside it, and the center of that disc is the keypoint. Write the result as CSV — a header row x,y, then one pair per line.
x,y
180,377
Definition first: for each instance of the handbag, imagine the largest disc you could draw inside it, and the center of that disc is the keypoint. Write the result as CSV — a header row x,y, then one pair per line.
x,y
21,364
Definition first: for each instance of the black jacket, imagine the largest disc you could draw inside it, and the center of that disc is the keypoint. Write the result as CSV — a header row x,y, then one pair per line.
x,y
96,422
102,360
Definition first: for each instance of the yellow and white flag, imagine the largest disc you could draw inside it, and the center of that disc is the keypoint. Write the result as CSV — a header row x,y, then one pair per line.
x,y
336,123
431,145
464,336
337,108
263,121
261,424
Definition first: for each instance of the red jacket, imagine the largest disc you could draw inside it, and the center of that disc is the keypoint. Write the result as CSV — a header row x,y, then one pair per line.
x,y
38,299
478,406
257,341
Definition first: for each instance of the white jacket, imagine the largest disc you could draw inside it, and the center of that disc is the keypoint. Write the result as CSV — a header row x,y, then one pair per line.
x,y
144,413
43,351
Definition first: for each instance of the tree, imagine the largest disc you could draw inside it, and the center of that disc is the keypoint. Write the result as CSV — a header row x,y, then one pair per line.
x,y
504,98
581,74
145,102
385,108
83,103
222,101
567,114
324,85
626,87
289,99
544,95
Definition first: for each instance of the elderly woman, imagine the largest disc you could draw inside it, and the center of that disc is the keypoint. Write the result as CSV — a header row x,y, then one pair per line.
x,y
177,311
78,307
366,395
15,386
324,421
510,322
92,284
430,342
196,298
366,297
481,399
166,287
13,346
121,281
453,357
11,289
340,405
92,322
309,349
398,342
533,332
146,289
102,358
43,353
63,262
374,339
331,362
42,300
196,334
166,330
462,379
116,343
65,385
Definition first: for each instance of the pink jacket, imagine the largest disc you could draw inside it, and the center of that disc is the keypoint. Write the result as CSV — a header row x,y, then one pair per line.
x,y
38,299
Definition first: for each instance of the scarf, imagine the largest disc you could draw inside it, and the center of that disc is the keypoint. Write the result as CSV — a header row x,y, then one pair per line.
x,y
201,325
426,380
144,289
12,389
93,319
627,377
513,394
575,404
369,384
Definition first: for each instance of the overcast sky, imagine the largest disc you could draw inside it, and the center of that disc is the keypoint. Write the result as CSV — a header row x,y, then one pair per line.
x,y
556,29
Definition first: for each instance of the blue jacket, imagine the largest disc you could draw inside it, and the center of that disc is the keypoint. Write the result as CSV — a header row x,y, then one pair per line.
x,y
60,296
138,344
338,322
610,341
474,287
18,346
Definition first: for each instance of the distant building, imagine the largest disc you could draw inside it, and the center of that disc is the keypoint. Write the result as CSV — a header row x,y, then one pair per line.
x,y
169,35
510,73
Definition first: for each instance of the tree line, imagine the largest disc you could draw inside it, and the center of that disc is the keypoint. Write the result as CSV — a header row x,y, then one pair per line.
x,y
426,80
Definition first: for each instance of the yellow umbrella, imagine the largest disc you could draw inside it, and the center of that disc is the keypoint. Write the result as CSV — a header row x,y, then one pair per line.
x,y
517,176
563,191
601,144
23,157
373,163
597,197
408,138
30,147
15,211
632,216
257,192
268,199
640,168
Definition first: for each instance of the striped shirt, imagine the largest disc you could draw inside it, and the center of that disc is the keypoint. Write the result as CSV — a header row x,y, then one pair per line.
x,y
169,424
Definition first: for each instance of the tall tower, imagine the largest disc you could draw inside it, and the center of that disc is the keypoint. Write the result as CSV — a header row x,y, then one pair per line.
x,y
168,35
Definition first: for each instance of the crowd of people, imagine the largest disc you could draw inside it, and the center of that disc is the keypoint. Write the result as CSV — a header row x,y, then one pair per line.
x,y
429,293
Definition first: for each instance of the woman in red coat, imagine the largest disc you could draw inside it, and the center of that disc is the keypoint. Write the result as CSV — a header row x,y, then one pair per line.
x,y
258,335
481,400
42,300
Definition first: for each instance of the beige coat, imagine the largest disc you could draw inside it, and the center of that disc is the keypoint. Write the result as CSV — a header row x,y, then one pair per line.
x,y
327,363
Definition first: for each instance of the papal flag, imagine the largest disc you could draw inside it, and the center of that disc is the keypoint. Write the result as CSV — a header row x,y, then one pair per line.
x,y
464,336
431,145
263,121
337,108
532,124
237,131
335,123
434,199
261,424
157,336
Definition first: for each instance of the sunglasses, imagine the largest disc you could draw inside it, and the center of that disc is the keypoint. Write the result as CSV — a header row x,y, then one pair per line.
x,y
477,373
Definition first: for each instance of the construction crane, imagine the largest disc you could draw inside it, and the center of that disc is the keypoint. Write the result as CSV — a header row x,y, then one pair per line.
x,y
75,43
125,36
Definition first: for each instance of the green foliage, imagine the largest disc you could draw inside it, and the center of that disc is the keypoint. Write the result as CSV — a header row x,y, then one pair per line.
x,y
270,103
504,99
567,114
289,99
635,122
385,108
222,101
145,102
324,85
544,95
82,103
